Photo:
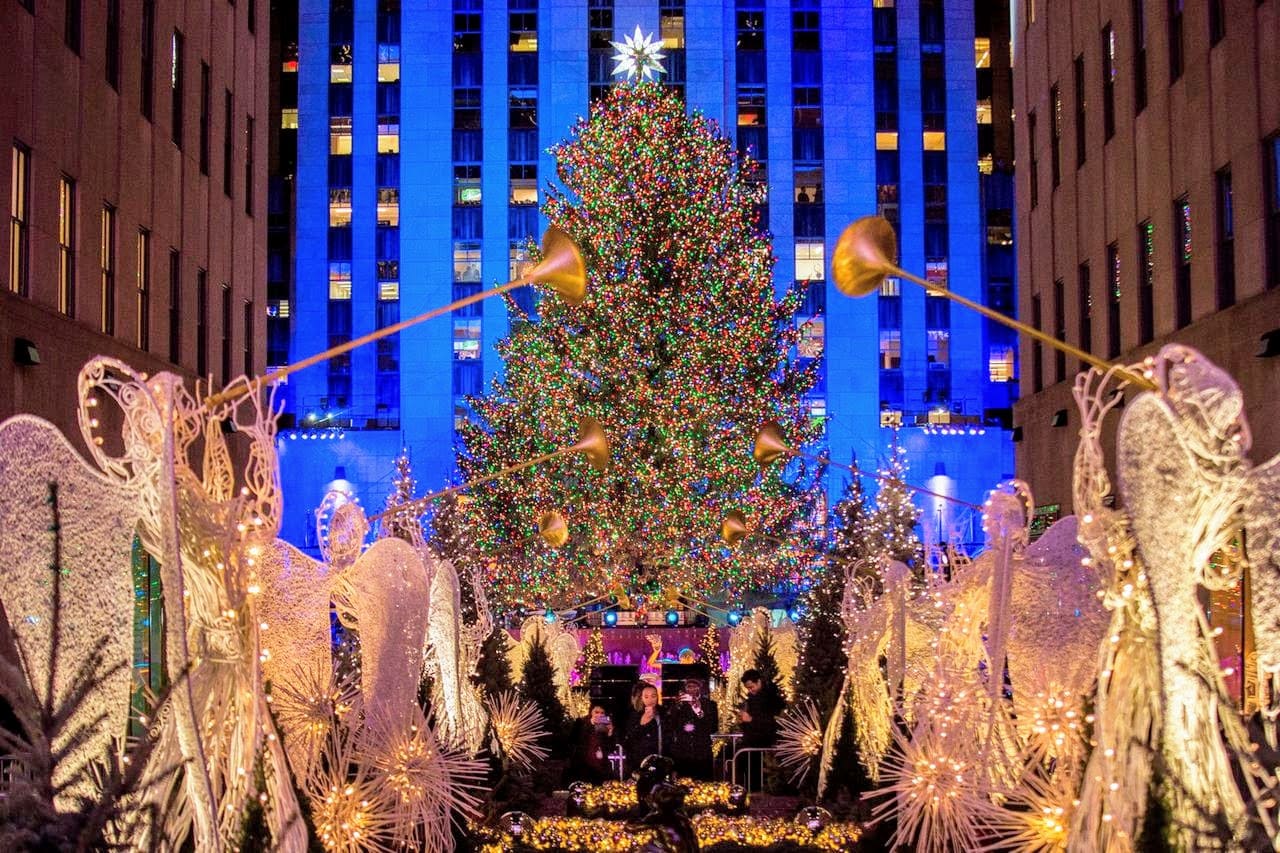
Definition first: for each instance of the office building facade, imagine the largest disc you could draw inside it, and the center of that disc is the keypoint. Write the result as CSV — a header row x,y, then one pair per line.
x,y
1148,204
422,137
137,176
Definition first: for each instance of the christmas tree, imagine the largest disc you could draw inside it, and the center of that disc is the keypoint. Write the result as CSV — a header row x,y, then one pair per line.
x,y
405,525
453,539
819,674
593,656
538,685
493,670
709,648
680,350
895,516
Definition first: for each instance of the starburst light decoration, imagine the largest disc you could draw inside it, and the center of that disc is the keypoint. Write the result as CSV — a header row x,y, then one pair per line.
x,y
638,56
517,728
800,738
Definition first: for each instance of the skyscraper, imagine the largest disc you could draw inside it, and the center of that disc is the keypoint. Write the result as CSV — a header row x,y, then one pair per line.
x,y
422,152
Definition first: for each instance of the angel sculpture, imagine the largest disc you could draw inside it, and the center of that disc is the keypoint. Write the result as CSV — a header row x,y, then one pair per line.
x,y
1188,491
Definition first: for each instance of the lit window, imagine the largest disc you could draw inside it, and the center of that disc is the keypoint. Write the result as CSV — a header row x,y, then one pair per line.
x,y
811,339
984,112
891,286
671,29
340,135
389,213
809,260
466,339
339,214
887,140
817,407
524,191
388,269
278,308
1000,364
388,291
751,108
883,4
808,184
935,140
519,261
985,164
459,415
289,118
982,52
466,261
339,280
939,349
388,143
935,272
340,73
890,349
388,72
466,185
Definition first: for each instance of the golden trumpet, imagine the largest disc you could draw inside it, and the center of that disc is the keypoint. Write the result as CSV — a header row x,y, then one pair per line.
x,y
733,528
592,443
867,252
561,268
770,446
553,529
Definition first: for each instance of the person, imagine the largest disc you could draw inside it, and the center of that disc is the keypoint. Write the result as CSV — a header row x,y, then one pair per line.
x,y
644,730
802,197
692,722
593,740
758,712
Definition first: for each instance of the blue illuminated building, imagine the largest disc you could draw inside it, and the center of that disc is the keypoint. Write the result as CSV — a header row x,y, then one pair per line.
x,y
422,134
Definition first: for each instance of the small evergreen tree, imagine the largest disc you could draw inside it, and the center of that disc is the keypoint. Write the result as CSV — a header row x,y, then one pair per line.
x,y
593,656
765,660
538,685
453,539
493,670
895,516
405,525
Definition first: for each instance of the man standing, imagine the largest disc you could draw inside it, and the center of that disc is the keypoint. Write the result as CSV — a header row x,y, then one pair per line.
x,y
758,712
693,720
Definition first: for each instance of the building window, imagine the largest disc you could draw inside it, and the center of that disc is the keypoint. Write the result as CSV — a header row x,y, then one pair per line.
x,y
1082,136
1271,151
175,306
248,337
143,279
249,177
226,333
112,47
1182,262
147,54
1084,308
1139,57
938,343
1226,233
524,32
206,104
1037,348
19,220
466,261
107,260
202,324
1060,329
1113,300
339,280
1034,165
72,26
466,339
1217,21
890,349
1000,364
809,260
176,86
67,246
1175,40
228,142
1055,133
1146,282
1108,81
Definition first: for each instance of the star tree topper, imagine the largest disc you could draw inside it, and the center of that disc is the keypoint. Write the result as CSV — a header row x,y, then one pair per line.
x,y
638,55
